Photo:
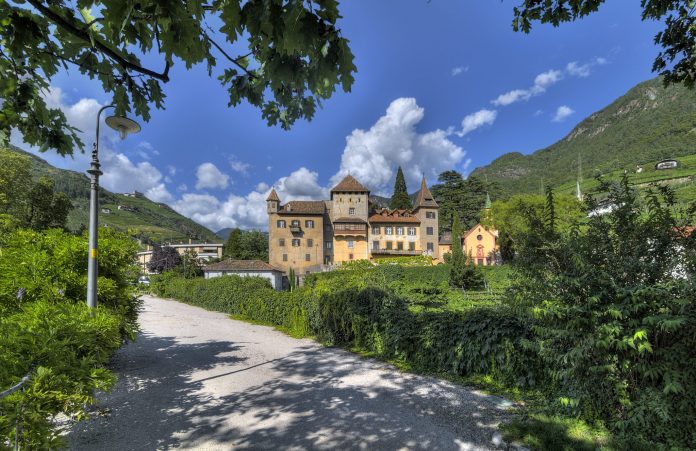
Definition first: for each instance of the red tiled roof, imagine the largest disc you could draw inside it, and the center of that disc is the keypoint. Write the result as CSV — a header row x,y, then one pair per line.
x,y
303,207
349,220
350,185
240,265
394,216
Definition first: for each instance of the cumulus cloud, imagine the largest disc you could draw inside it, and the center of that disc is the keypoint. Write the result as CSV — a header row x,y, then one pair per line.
x,y
373,155
209,176
562,113
239,166
459,70
475,120
541,83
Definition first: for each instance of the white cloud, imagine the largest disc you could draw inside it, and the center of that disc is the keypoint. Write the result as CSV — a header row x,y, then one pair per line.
x,y
562,113
209,176
373,155
475,120
262,186
182,188
583,70
269,168
238,166
459,70
541,83
172,170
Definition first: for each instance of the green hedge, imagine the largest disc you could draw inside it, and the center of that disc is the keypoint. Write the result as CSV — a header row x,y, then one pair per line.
x,y
349,308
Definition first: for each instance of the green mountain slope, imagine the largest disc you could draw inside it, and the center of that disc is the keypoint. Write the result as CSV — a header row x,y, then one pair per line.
x,y
142,217
645,125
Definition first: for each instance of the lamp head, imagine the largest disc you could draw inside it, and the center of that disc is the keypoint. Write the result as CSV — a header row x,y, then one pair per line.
x,y
123,125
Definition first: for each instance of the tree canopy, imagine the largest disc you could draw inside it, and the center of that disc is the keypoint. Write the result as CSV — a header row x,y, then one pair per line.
x,y
676,62
464,198
246,245
400,199
282,56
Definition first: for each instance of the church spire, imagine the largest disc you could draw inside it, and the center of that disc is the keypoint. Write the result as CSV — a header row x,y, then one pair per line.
x,y
424,198
578,191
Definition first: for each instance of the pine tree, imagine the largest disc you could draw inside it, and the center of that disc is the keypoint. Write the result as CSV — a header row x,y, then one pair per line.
x,y
400,199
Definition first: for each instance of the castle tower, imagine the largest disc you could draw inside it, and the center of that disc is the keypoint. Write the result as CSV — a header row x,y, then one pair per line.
x,y
426,209
272,202
349,215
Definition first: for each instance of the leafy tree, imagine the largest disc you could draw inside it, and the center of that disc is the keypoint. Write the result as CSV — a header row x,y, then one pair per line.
x,y
612,301
400,199
45,208
15,182
232,245
677,60
164,258
462,198
294,56
190,266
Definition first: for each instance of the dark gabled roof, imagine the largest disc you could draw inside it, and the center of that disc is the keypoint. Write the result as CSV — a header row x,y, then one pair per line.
x,y
240,265
303,207
424,198
350,220
446,238
349,185
273,196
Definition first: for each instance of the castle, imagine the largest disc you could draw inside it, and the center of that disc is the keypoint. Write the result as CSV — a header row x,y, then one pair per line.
x,y
308,236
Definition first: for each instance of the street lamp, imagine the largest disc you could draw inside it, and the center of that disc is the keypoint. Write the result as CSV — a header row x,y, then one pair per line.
x,y
124,127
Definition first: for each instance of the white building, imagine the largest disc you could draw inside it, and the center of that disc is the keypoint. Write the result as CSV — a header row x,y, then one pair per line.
x,y
245,268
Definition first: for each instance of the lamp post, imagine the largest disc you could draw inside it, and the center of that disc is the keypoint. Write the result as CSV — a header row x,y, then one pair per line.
x,y
124,127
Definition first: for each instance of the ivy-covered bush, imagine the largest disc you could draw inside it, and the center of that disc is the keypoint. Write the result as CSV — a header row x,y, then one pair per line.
x,y
47,331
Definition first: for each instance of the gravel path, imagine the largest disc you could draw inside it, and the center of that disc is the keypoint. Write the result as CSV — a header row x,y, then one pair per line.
x,y
196,379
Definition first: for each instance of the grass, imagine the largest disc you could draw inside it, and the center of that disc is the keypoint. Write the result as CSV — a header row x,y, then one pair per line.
x,y
553,433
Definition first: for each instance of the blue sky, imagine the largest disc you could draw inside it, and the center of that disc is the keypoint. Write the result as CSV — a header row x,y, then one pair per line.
x,y
440,85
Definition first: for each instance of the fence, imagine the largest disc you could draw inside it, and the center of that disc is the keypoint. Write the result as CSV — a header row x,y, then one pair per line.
x,y
18,386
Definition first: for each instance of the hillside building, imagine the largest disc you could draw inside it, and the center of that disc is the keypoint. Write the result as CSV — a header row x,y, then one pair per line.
x,y
480,242
204,252
310,236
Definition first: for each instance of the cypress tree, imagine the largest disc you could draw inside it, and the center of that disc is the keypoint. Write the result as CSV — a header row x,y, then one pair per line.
x,y
400,199
232,247
457,261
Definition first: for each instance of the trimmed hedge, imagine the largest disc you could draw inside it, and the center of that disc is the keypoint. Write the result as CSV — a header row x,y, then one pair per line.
x,y
486,340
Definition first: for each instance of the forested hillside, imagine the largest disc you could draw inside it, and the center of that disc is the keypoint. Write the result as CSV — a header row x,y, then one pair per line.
x,y
646,124
141,217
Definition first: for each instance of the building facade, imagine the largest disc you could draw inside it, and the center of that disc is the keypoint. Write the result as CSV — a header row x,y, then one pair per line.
x,y
204,252
308,236
479,242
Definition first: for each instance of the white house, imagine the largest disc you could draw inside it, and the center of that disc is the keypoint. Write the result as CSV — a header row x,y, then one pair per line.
x,y
245,268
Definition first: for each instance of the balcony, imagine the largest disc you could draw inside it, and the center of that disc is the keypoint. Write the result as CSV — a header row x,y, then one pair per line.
x,y
343,229
295,229
396,252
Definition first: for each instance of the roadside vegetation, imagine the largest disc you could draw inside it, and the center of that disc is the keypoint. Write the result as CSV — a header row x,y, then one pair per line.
x,y
46,330
592,327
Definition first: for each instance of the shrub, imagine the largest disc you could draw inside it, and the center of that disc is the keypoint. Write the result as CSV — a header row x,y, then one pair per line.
x,y
614,311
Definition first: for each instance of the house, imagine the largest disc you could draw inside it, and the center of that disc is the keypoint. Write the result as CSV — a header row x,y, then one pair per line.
x,y
480,242
667,164
204,251
106,211
309,236
245,268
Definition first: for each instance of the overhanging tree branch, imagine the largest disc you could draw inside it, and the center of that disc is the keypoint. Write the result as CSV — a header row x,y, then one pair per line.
x,y
84,35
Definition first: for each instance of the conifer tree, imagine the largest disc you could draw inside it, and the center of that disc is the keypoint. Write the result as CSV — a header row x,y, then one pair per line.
x,y
400,199
233,244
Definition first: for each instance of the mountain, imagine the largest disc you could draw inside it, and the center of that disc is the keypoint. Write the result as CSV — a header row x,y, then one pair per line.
x,y
647,124
140,216
224,233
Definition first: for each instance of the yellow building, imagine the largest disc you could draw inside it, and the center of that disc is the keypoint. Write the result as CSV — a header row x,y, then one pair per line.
x,y
310,236
480,242
204,252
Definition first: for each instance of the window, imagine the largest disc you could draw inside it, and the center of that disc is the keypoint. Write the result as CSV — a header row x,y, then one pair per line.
x,y
389,245
285,257
280,224
351,211
351,244
295,223
350,256
411,246
309,223
399,245
389,230
281,242
399,230
375,230
428,230
328,244
310,242
430,214
295,242
430,247
480,261
412,231
307,257
479,237
375,245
